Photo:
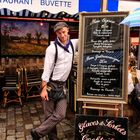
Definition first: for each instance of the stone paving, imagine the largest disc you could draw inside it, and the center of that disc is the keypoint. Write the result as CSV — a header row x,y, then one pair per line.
x,y
16,122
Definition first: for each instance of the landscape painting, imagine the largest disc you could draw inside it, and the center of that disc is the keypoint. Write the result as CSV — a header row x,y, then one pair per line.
x,y
23,37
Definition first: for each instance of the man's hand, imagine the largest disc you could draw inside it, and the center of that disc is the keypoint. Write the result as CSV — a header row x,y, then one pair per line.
x,y
44,95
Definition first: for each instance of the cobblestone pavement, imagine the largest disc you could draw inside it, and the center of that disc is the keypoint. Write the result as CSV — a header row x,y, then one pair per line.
x,y
16,122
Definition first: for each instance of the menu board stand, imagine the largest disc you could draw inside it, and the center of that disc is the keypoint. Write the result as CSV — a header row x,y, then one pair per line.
x,y
102,71
101,107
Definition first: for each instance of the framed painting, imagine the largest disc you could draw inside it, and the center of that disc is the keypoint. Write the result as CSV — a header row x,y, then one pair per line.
x,y
24,37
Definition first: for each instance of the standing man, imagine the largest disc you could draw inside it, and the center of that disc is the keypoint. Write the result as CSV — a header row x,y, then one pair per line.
x,y
55,111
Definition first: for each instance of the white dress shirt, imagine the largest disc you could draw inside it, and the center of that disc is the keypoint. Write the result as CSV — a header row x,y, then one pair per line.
x,y
63,64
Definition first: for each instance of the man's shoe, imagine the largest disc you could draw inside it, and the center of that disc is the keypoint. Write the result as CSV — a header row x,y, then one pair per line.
x,y
34,135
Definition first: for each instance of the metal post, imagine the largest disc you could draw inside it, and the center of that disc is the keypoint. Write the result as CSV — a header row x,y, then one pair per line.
x,y
104,5
138,63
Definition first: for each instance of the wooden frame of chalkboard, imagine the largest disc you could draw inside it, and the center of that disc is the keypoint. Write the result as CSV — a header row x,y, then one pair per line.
x,y
102,73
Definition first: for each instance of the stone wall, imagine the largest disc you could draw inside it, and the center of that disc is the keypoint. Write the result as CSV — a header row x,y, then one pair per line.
x,y
9,63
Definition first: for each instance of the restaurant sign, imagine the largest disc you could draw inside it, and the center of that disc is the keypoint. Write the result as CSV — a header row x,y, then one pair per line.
x,y
52,6
90,127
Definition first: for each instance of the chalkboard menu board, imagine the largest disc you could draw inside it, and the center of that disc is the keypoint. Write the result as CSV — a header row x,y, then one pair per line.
x,y
103,57
88,127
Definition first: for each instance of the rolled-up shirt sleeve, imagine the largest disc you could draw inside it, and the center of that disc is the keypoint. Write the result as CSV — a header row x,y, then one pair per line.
x,y
48,63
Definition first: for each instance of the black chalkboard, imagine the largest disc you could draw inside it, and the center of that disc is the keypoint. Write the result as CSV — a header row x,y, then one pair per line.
x,y
89,127
103,56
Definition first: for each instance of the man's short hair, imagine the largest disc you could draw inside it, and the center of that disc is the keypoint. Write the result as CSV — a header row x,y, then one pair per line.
x,y
60,25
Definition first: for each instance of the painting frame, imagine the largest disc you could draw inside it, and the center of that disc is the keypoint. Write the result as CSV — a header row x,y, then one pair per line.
x,y
24,37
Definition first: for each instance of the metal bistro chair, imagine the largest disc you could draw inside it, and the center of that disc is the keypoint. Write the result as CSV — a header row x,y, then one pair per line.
x,y
32,81
12,88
